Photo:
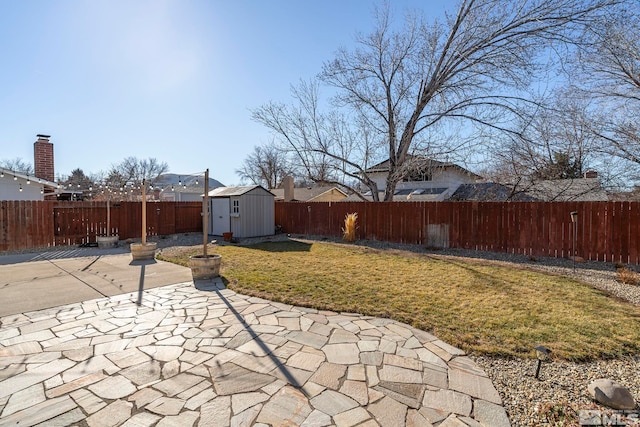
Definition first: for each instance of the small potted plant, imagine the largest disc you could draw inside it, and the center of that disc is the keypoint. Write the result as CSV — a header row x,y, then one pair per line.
x,y
144,250
205,266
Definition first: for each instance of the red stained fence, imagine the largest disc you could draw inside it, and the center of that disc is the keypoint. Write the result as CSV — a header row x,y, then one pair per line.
x,y
30,224
605,231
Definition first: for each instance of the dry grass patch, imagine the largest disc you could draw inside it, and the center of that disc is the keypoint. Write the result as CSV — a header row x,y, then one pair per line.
x,y
482,308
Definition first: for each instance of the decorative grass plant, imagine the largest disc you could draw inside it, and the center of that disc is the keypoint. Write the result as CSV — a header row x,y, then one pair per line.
x,y
349,230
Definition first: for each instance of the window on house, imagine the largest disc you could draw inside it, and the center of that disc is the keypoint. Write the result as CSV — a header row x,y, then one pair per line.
x,y
236,207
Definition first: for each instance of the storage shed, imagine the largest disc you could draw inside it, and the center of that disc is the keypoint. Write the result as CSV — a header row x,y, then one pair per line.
x,y
244,211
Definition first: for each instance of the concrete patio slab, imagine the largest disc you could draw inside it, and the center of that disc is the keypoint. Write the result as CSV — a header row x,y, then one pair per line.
x,y
27,285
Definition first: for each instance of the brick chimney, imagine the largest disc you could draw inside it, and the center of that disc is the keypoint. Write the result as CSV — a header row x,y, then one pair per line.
x,y
43,158
287,184
591,174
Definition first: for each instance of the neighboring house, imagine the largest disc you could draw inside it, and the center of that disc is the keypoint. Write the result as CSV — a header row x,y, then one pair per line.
x,y
311,194
488,192
18,186
41,185
183,188
288,193
626,196
244,211
588,189
178,193
428,180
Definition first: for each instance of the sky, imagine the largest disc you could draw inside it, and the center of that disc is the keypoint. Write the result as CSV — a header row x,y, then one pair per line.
x,y
174,80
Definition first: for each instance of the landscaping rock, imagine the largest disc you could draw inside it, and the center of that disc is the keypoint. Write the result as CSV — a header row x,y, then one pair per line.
x,y
611,394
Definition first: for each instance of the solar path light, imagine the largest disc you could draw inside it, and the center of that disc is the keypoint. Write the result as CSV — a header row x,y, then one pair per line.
x,y
542,353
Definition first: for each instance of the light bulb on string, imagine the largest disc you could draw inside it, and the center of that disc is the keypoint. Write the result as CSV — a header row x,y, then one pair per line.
x,y
15,178
20,187
28,180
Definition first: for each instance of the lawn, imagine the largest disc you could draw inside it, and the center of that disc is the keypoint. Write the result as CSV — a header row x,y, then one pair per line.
x,y
483,308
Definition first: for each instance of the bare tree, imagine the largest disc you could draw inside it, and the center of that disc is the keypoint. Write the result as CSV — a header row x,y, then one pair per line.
x,y
133,170
556,142
266,165
608,68
17,165
123,180
407,86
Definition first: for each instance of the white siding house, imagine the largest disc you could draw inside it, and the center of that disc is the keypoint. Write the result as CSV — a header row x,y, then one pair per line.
x,y
428,180
244,211
18,186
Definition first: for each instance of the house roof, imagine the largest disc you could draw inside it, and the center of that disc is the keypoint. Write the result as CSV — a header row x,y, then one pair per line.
x,y
234,191
306,194
567,190
195,189
488,192
32,178
404,195
422,162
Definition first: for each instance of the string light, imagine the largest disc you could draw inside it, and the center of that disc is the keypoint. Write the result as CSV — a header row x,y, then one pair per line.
x,y
15,178
1,174
41,190
28,180
21,187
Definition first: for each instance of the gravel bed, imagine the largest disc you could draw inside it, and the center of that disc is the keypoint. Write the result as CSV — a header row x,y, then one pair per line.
x,y
561,391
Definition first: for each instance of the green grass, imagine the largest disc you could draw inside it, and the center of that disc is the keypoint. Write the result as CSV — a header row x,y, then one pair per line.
x,y
483,308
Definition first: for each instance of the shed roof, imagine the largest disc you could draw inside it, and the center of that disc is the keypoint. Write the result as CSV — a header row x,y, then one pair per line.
x,y
235,191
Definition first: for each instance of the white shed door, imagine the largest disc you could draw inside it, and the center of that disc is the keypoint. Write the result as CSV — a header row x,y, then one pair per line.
x,y
220,216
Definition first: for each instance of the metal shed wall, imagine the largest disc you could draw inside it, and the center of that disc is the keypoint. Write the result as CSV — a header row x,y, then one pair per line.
x,y
256,215
256,211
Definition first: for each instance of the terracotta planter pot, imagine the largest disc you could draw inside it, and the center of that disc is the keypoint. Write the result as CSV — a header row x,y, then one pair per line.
x,y
146,251
204,268
107,242
227,236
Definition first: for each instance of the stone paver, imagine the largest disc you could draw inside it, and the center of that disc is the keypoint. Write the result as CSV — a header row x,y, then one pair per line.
x,y
216,358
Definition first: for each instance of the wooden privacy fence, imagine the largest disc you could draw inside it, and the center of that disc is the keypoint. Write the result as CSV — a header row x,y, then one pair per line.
x,y
604,231
30,224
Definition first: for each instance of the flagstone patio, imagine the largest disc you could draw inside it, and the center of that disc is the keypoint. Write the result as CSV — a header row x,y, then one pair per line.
x,y
211,357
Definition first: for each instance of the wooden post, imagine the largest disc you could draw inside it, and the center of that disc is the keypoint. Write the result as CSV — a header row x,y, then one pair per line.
x,y
205,214
108,215
144,211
